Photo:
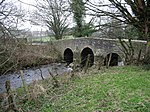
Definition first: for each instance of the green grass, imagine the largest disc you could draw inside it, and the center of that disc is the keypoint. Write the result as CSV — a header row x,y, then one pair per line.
x,y
47,39
42,39
117,89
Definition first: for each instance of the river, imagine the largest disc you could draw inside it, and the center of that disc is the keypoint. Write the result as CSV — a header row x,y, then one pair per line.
x,y
32,74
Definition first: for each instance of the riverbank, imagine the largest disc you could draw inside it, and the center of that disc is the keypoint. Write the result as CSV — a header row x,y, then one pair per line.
x,y
23,56
116,89
32,74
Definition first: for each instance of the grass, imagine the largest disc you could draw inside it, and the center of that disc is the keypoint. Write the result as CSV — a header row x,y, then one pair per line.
x,y
41,39
47,39
117,89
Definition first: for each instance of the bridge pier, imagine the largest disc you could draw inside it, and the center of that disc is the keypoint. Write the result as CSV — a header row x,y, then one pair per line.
x,y
99,61
77,58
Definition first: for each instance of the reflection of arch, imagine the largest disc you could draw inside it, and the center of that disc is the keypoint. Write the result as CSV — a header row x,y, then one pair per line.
x,y
84,54
68,55
115,59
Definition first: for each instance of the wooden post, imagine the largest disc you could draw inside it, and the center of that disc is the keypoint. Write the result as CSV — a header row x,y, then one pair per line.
x,y
109,60
24,84
87,63
100,63
56,82
11,103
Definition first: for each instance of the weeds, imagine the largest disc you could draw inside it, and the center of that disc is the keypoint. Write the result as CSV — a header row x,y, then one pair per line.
x,y
119,89
8,102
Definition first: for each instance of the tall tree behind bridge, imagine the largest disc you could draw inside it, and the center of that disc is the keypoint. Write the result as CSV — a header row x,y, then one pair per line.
x,y
133,12
78,10
54,15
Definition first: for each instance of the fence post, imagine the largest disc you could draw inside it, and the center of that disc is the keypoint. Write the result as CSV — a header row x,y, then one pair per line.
x,y
24,84
87,63
109,60
56,82
11,103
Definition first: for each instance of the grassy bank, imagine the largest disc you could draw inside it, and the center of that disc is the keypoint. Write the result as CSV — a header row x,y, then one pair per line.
x,y
117,89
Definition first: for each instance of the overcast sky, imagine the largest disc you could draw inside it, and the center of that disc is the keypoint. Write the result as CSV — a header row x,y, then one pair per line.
x,y
29,8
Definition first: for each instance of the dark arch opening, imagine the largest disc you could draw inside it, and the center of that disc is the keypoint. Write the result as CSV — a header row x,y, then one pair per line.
x,y
68,56
84,55
114,60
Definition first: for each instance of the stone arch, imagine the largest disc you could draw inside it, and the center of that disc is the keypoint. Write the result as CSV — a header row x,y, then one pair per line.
x,y
84,54
68,55
116,60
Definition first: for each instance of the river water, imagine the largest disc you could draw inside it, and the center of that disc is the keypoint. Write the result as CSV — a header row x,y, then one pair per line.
x,y
32,74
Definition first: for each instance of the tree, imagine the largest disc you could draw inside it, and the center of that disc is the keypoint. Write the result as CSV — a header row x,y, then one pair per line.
x,y
114,29
53,14
9,15
133,12
78,10
10,18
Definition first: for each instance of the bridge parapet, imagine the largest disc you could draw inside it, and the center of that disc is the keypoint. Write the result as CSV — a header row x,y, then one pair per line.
x,y
100,47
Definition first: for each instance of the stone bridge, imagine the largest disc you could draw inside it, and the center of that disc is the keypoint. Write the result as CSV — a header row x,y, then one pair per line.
x,y
98,49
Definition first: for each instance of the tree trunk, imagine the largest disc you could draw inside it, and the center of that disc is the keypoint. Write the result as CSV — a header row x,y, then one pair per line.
x,y
146,35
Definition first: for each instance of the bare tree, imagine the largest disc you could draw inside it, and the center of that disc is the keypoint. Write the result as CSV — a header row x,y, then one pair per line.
x,y
53,14
10,17
133,12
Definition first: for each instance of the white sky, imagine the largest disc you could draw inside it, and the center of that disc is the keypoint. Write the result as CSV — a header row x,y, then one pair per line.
x,y
29,8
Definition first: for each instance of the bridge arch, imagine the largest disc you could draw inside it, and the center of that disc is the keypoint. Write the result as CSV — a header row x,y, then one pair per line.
x,y
68,55
115,59
84,55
